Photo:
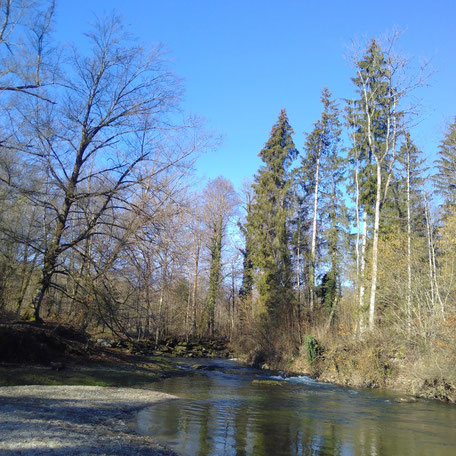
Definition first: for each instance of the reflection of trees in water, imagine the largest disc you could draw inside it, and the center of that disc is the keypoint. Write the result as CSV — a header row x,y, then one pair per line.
x,y
205,439
241,422
239,418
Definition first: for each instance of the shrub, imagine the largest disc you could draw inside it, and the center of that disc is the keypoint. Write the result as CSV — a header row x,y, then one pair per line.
x,y
312,349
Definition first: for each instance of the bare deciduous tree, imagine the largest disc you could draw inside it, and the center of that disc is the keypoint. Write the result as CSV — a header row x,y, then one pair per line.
x,y
112,125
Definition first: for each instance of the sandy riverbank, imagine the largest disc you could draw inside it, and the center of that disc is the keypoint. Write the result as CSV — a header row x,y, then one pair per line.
x,y
74,420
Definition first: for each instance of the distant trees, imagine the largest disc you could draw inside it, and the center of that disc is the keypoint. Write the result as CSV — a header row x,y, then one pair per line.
x,y
220,204
27,68
100,226
100,140
298,218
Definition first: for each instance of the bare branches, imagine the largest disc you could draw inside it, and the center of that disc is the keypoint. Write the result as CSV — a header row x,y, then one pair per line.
x,y
26,61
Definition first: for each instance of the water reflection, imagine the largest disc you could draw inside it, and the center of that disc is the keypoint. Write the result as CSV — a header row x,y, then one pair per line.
x,y
224,413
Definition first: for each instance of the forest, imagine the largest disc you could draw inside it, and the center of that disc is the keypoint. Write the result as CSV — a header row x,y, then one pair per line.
x,y
337,259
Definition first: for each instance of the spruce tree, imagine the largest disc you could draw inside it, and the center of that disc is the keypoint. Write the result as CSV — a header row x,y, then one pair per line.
x,y
268,220
405,194
334,219
445,180
412,169
410,159
377,118
320,178
247,263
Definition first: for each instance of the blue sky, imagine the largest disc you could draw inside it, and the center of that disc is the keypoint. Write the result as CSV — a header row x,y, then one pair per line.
x,y
242,61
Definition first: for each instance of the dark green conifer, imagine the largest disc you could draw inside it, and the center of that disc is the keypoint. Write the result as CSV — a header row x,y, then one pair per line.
x,y
268,219
445,180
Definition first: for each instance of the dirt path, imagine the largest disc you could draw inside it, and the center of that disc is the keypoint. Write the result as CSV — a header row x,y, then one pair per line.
x,y
74,420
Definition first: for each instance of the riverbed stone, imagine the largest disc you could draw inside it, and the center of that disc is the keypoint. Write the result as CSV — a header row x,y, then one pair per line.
x,y
76,420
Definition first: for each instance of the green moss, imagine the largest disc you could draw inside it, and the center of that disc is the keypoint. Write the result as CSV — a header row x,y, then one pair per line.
x,y
267,382
116,377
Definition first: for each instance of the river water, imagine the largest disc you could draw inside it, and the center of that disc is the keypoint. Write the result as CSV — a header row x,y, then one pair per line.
x,y
224,411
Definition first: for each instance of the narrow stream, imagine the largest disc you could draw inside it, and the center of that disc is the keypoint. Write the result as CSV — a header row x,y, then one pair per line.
x,y
222,412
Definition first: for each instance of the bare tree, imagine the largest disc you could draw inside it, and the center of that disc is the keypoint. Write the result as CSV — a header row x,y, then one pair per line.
x,y
220,203
111,127
26,57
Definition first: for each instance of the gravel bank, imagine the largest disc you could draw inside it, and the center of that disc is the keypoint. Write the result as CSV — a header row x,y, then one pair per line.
x,y
74,420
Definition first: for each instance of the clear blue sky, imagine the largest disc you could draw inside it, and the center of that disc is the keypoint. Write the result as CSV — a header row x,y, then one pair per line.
x,y
242,61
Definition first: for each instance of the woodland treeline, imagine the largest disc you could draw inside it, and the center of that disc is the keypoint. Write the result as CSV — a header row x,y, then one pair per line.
x,y
103,227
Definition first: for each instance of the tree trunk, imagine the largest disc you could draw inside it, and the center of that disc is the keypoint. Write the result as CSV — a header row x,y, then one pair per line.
x,y
378,197
50,260
195,287
214,275
314,238
362,278
432,266
159,318
233,303
409,251
429,238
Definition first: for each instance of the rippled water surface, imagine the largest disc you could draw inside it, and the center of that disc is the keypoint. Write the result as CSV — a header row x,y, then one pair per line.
x,y
222,412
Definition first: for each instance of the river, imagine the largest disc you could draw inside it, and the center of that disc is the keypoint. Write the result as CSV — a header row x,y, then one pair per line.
x,y
226,409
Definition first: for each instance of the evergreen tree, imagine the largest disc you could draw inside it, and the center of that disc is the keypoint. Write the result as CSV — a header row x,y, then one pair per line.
x,y
406,190
445,180
319,177
376,120
268,222
412,184
409,157
300,244
334,218
246,288
247,264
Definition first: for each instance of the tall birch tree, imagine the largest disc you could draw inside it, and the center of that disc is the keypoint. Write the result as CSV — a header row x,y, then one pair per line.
x,y
378,118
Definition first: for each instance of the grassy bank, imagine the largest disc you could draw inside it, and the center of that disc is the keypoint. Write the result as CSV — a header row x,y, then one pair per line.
x,y
394,358
53,354
117,375
379,361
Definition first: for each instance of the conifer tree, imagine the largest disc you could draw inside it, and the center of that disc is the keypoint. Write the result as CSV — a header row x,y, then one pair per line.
x,y
300,245
318,172
377,120
246,288
445,180
410,159
334,219
247,263
268,219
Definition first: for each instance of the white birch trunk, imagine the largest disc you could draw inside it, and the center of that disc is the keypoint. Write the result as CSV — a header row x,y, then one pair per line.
x,y
409,251
314,236
429,238
362,272
375,247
